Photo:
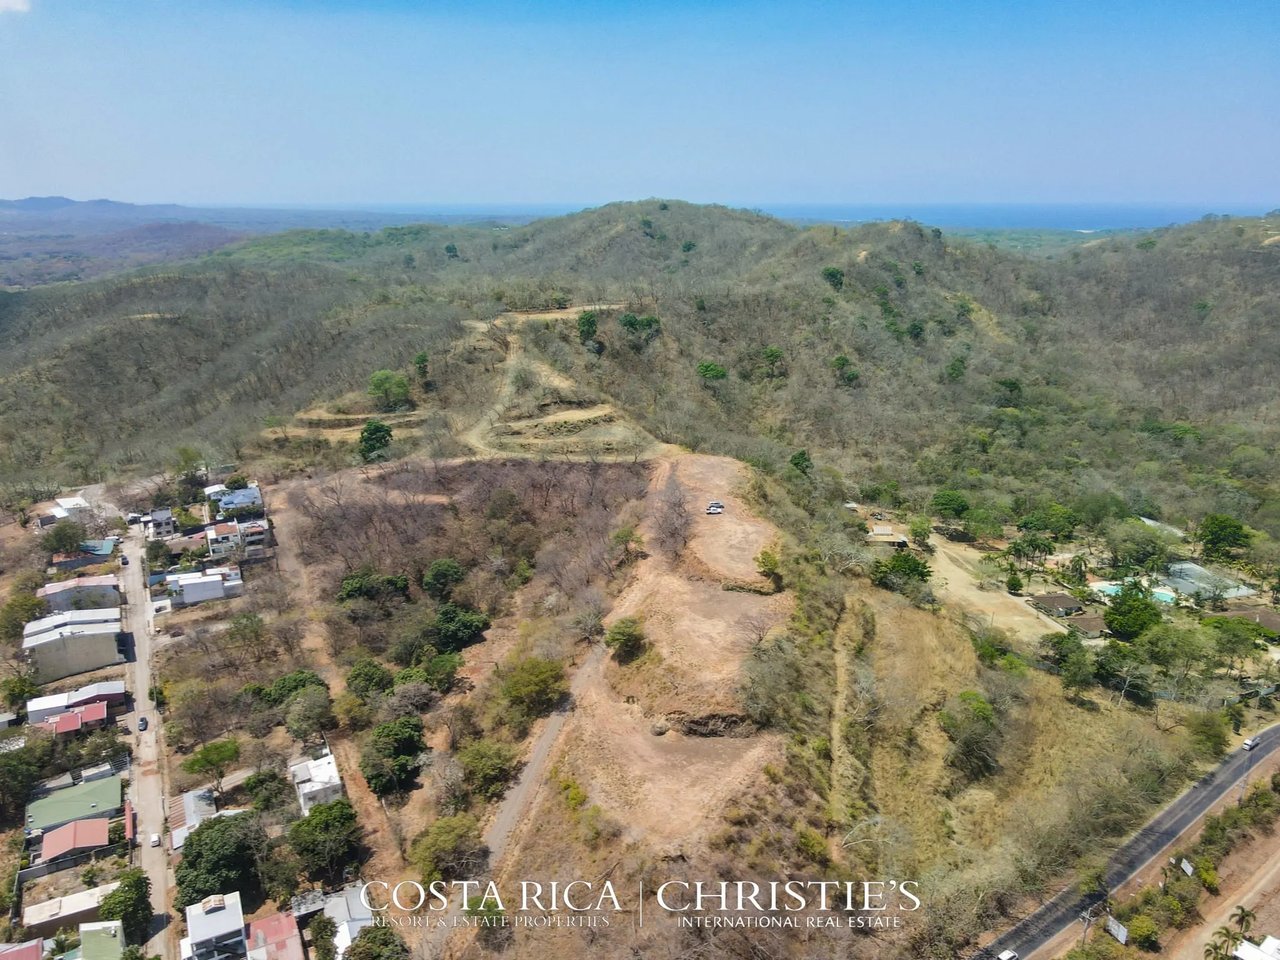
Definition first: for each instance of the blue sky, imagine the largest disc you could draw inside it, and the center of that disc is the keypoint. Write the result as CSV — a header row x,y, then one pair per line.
x,y
327,103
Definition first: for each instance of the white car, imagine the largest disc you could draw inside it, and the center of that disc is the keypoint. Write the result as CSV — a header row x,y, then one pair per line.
x,y
712,509
1250,743
1008,955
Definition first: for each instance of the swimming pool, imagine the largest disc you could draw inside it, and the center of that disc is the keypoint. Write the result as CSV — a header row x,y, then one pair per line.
x,y
1110,589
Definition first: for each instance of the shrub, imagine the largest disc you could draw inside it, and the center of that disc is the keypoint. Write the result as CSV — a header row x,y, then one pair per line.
x,y
488,767
449,849
625,638
534,686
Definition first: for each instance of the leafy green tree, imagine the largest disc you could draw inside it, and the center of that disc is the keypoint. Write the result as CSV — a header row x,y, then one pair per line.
x,y
1131,611
377,943
1208,732
587,326
422,366
367,677
451,251
919,530
772,357
802,461
214,759
390,390
769,566
488,767
441,577
458,626
711,372
326,839
949,503
375,437
834,276
130,903
534,685
18,775
390,761
220,856
1143,932
449,849
625,637
18,689
1220,534
1014,582
269,790
309,713
900,570
1077,673
18,611
65,536
323,930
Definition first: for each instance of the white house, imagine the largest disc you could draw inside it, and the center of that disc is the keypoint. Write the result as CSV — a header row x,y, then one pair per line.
x,y
216,583
1268,949
215,929
250,496
106,691
317,781
72,508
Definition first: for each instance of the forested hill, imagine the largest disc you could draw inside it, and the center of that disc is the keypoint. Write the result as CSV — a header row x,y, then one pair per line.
x,y
1141,367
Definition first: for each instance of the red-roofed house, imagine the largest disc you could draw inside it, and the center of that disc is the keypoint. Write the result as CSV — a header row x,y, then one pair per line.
x,y
275,938
74,837
87,717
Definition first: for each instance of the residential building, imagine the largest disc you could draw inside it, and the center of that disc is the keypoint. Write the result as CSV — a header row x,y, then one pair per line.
x,y
159,524
47,918
101,549
73,647
249,497
90,798
1090,625
103,940
188,812
91,716
28,950
110,692
349,914
1057,604
82,593
317,781
883,533
75,837
215,929
274,938
72,618
72,508
223,538
1268,949
197,586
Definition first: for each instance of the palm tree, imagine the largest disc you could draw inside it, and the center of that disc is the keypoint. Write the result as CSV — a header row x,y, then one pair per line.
x,y
1213,951
1230,938
1243,918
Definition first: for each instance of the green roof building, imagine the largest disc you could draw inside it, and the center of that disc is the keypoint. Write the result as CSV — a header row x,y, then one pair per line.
x,y
103,940
91,798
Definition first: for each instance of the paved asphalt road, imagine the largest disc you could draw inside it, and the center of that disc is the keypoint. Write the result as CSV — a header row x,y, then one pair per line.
x,y
1062,911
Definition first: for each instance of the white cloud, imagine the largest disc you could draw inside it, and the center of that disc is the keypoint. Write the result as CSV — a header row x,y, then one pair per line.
x,y
15,6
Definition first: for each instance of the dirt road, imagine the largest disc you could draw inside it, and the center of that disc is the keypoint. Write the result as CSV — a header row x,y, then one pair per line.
x,y
147,784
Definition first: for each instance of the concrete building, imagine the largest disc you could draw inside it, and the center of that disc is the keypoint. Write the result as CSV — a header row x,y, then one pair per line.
x,y
159,524
1057,604
46,919
1268,949
103,940
110,692
215,929
317,781
187,812
216,583
82,593
71,618
250,496
73,642
71,508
